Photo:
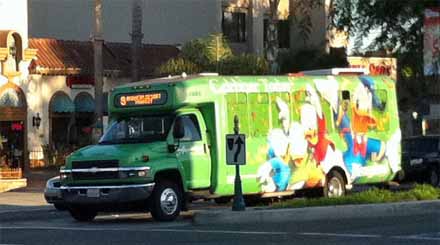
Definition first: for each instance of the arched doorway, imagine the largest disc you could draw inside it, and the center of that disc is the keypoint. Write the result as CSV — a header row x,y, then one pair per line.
x,y
84,119
13,131
61,119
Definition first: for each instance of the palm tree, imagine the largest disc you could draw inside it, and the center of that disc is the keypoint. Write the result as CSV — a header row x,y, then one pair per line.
x,y
272,36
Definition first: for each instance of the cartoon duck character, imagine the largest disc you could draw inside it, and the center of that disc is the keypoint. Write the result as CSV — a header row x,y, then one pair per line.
x,y
360,147
390,149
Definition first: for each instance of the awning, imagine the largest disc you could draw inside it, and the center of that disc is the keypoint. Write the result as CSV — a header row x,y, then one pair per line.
x,y
62,104
84,103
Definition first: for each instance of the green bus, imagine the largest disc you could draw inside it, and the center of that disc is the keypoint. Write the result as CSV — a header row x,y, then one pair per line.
x,y
166,141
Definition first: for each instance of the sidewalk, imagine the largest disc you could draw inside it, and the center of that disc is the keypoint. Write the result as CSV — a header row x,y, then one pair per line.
x,y
28,202
36,179
270,215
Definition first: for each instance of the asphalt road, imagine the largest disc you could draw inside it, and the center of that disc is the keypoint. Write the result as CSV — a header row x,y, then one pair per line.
x,y
141,229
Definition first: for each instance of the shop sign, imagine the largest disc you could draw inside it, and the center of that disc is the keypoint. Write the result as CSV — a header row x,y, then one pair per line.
x,y
17,127
375,65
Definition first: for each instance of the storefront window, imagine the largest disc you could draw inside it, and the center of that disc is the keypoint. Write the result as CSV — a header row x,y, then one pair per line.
x,y
234,26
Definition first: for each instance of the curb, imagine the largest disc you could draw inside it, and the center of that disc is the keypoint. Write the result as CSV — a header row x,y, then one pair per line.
x,y
31,214
256,215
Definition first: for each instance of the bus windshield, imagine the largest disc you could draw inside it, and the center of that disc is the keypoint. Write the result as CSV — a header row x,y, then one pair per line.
x,y
137,130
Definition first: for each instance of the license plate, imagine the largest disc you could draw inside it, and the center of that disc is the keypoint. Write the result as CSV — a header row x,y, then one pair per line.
x,y
92,192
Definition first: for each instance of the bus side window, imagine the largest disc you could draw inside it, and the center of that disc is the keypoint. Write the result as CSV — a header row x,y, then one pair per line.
x,y
298,99
344,110
259,114
275,111
190,127
380,111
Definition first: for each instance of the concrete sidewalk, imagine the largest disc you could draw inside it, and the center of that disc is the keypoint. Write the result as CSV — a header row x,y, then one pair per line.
x,y
22,205
268,215
28,202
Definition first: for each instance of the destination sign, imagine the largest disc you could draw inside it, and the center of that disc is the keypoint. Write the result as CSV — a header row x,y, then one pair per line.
x,y
141,99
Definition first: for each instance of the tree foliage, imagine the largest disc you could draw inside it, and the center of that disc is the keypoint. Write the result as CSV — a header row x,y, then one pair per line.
x,y
300,15
213,54
398,26
309,59
208,51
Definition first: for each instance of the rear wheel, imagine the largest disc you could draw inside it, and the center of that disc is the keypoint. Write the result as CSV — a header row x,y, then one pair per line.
x,y
335,185
166,201
82,214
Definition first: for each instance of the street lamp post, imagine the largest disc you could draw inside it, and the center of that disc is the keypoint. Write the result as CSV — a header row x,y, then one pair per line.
x,y
98,41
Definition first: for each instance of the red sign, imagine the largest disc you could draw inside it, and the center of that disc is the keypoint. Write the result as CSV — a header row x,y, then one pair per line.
x,y
17,127
79,80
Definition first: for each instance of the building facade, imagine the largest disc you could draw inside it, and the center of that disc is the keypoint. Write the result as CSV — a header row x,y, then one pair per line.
x,y
174,22
47,90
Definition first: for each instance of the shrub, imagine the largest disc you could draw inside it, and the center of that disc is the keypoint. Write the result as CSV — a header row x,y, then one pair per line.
x,y
245,64
177,66
206,52
374,195
309,59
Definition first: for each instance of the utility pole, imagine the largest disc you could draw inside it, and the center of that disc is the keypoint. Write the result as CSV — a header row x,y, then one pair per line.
x,y
98,41
136,39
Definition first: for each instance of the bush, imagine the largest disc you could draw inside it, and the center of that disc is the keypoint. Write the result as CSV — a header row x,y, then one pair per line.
x,y
374,195
177,66
245,64
310,59
213,54
206,52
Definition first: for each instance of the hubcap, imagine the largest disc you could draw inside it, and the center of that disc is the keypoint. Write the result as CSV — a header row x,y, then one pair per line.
x,y
334,187
168,201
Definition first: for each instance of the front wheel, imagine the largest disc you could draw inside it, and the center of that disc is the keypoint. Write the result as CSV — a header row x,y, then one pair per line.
x,y
82,214
166,201
335,185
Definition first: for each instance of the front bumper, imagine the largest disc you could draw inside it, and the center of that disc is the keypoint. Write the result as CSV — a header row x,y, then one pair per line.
x,y
102,195
53,195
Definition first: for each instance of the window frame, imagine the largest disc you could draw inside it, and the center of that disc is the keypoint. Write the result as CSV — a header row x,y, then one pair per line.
x,y
236,30
193,118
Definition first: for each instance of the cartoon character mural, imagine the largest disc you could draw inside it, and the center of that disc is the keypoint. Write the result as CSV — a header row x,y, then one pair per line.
x,y
297,151
300,153
360,147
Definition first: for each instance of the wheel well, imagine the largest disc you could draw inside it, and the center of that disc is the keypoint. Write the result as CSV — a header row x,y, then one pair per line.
x,y
171,175
340,171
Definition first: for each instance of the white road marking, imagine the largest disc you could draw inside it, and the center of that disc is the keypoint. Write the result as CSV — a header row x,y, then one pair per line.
x,y
425,236
223,231
140,229
339,235
73,228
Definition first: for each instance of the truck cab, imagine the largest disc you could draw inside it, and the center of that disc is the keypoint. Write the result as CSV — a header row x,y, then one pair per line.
x,y
146,159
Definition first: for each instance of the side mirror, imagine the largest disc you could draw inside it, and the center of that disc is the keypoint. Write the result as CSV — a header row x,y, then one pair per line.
x,y
178,131
172,148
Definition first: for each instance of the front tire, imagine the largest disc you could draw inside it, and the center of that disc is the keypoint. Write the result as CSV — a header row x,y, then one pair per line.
x,y
82,214
166,201
335,185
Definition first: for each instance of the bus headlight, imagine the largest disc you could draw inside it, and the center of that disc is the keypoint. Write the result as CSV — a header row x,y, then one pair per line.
x,y
142,173
64,176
